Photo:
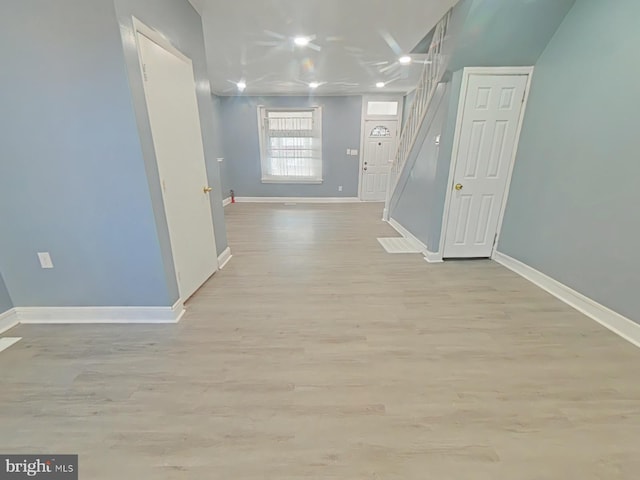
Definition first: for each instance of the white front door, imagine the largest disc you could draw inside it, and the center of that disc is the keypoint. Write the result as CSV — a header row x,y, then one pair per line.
x,y
379,150
487,140
175,126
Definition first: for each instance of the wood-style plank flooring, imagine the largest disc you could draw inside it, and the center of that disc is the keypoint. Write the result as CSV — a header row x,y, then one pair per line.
x,y
314,354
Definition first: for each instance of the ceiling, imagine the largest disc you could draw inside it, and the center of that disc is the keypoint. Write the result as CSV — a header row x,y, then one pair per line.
x,y
360,42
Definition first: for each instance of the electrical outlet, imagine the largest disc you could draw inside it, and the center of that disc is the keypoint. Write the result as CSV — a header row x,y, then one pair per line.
x,y
339,188
45,260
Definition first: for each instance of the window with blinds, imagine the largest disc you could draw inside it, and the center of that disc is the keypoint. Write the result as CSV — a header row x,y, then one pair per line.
x,y
291,145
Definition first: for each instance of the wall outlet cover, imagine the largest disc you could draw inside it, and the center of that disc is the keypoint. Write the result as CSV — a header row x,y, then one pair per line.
x,y
45,260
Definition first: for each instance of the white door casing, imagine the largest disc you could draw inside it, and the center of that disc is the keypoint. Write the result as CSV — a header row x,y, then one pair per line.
x,y
169,87
486,143
379,149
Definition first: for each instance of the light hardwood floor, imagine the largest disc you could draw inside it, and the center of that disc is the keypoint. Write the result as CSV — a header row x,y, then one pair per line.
x,y
315,354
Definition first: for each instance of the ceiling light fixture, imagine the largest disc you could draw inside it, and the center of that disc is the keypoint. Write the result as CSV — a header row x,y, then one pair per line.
x,y
241,85
301,41
380,85
314,85
405,60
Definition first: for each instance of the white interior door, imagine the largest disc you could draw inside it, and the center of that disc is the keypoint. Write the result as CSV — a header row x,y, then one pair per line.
x,y
487,139
379,149
175,125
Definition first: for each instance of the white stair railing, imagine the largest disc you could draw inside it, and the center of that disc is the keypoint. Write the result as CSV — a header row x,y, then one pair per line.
x,y
432,73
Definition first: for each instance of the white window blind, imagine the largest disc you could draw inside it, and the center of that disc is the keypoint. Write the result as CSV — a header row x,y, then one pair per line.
x,y
291,145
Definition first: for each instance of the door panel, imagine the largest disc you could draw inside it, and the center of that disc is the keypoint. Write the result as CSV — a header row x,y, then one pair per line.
x,y
177,138
485,152
379,149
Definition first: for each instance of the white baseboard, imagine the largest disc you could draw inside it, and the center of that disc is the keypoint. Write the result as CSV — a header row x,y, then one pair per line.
x,y
622,326
433,257
226,201
224,258
430,257
8,320
297,200
57,315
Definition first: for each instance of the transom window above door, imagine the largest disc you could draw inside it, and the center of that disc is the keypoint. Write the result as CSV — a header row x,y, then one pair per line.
x,y
384,108
291,145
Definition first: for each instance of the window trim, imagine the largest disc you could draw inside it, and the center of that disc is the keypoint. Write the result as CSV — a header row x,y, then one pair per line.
x,y
262,112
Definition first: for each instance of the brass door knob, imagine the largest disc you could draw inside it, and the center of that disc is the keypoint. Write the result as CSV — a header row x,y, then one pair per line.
x,y
207,189
458,186
365,168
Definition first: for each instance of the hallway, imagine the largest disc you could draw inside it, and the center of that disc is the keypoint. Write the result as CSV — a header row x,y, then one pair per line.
x,y
315,354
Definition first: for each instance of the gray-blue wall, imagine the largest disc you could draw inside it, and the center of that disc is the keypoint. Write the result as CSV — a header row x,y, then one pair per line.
x,y
413,203
499,33
572,211
341,117
181,25
72,178
224,165
5,299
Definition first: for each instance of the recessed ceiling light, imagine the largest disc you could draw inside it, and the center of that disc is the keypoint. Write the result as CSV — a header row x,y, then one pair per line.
x,y
314,85
301,41
380,84
241,85
405,60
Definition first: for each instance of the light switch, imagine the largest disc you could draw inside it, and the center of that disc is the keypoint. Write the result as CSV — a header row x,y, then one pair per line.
x,y
45,260
348,151
354,153
220,159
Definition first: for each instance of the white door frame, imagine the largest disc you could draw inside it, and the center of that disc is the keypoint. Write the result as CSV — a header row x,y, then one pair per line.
x,y
466,75
365,117
157,37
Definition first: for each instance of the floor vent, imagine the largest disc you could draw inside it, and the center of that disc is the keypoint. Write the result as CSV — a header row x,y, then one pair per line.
x,y
400,245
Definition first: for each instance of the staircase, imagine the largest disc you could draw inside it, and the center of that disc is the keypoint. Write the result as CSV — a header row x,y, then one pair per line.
x,y
432,73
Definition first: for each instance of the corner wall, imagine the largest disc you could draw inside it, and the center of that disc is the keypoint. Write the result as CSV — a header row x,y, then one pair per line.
x,y
225,174
481,33
572,211
72,178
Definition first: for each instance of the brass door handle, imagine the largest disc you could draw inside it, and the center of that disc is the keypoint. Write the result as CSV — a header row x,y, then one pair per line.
x,y
365,168
207,189
458,186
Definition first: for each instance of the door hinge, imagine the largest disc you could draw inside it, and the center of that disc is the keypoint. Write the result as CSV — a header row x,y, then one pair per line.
x,y
495,240
524,95
144,72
